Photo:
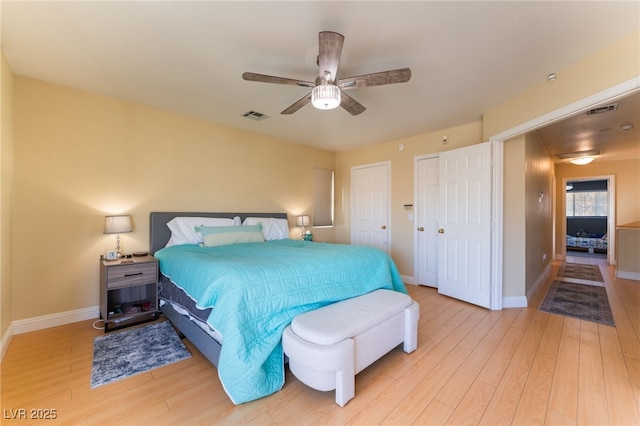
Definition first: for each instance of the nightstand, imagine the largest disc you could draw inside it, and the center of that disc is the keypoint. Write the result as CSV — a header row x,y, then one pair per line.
x,y
128,291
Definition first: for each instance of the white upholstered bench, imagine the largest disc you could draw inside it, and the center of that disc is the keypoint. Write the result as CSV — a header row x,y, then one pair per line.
x,y
327,347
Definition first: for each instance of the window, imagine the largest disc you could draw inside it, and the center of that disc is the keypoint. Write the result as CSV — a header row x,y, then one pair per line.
x,y
322,197
587,203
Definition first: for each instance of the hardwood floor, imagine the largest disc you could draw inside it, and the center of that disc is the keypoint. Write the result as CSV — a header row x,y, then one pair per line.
x,y
472,366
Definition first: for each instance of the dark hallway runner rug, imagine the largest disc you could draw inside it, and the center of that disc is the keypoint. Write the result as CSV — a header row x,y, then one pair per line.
x,y
581,301
580,271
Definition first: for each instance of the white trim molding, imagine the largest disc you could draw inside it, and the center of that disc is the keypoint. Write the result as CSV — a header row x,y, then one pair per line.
x,y
54,320
408,279
43,322
514,302
628,275
497,242
523,301
5,341
544,276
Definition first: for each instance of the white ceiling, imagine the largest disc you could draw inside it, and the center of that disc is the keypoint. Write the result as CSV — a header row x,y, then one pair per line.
x,y
188,57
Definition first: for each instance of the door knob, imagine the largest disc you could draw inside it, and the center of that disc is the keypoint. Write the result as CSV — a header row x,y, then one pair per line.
x,y
383,227
440,231
421,229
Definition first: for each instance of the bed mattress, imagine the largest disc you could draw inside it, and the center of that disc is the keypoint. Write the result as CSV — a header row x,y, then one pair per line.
x,y
168,292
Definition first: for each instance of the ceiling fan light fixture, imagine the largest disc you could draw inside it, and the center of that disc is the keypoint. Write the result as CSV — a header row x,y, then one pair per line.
x,y
325,96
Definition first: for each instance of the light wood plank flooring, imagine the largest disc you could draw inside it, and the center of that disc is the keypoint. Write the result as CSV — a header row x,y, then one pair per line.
x,y
472,366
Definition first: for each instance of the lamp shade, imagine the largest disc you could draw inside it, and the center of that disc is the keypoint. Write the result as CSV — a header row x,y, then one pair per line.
x,y
117,224
303,220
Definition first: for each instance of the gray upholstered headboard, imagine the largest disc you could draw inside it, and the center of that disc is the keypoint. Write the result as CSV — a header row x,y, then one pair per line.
x,y
159,233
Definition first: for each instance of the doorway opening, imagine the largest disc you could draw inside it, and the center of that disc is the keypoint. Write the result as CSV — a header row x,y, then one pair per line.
x,y
589,219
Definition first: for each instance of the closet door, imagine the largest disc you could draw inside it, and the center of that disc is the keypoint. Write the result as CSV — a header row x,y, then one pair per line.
x,y
426,221
370,205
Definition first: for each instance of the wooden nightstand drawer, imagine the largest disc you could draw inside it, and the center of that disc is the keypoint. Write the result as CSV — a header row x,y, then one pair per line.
x,y
133,274
128,291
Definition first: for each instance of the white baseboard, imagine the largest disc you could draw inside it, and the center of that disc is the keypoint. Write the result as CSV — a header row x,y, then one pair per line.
x,y
523,301
4,342
628,275
514,302
407,279
53,320
45,321
544,276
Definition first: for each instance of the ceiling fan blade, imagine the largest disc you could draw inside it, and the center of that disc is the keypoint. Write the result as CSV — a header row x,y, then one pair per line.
x,y
249,76
351,105
401,75
329,50
297,105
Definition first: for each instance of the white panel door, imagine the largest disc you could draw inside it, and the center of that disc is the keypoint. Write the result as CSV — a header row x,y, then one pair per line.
x,y
370,205
464,266
427,221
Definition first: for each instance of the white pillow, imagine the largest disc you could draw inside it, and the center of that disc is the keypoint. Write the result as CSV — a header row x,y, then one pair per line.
x,y
272,228
183,229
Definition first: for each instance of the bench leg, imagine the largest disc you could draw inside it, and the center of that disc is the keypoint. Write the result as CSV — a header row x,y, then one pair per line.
x,y
411,317
345,385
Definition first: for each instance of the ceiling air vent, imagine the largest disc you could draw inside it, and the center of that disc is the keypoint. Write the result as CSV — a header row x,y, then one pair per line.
x,y
254,115
602,109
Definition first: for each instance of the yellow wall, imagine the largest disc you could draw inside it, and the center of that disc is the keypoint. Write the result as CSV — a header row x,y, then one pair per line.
x,y
514,224
6,194
79,156
627,179
527,217
537,210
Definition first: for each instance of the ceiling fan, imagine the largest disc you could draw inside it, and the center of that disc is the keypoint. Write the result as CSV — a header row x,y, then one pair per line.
x,y
328,90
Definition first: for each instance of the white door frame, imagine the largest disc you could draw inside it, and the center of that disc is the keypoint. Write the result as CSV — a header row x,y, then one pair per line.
x,y
609,95
389,221
611,219
416,259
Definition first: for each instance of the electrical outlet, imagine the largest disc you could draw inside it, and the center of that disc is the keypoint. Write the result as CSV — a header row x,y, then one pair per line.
x,y
544,257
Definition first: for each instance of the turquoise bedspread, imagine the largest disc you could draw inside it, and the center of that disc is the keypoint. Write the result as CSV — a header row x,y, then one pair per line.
x,y
256,289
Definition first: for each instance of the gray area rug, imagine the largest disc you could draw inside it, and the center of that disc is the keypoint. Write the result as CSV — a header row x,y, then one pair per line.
x,y
126,353
580,271
581,301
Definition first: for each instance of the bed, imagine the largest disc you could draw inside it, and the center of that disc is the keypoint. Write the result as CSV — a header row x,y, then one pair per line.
x,y
233,301
596,244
